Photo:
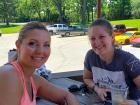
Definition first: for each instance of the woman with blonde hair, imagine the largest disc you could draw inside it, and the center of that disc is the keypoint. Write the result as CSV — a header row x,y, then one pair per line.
x,y
18,83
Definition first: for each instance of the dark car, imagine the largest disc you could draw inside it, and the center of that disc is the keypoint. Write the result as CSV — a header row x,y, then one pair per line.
x,y
73,30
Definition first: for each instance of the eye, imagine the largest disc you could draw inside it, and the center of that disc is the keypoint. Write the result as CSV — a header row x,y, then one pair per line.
x,y
47,45
101,37
32,44
92,38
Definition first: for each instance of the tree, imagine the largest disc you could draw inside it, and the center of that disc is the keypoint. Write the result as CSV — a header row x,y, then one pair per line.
x,y
24,10
119,9
83,13
59,4
136,9
6,10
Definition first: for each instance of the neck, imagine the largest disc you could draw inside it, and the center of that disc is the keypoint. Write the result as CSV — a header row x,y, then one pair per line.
x,y
108,57
27,71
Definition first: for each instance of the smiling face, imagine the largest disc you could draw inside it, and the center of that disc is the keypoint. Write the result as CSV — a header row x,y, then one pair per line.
x,y
34,49
100,39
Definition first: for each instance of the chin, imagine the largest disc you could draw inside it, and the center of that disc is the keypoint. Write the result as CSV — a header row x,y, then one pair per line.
x,y
99,52
37,65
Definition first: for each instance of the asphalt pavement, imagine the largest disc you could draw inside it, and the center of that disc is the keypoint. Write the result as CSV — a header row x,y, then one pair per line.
x,y
67,53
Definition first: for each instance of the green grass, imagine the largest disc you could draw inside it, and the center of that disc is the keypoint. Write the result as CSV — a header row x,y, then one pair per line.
x,y
128,23
16,28
10,29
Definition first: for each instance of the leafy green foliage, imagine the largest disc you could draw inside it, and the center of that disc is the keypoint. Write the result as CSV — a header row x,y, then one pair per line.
x,y
67,11
136,8
119,9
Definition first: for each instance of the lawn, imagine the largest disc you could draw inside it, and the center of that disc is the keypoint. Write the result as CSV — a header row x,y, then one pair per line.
x,y
128,23
16,28
10,29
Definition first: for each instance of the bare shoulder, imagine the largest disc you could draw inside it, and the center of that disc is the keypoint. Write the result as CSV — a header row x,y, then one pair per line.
x,y
7,70
10,81
8,74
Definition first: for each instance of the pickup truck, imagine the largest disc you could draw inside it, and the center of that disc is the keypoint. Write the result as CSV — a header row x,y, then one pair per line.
x,y
53,29
121,28
73,30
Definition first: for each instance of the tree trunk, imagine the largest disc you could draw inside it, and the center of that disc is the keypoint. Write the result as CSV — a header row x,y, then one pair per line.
x,y
59,8
83,14
6,13
98,8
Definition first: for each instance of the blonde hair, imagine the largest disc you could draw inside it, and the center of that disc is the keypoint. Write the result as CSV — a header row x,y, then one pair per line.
x,y
30,26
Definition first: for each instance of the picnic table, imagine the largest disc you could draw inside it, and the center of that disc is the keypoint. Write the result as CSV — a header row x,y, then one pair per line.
x,y
86,98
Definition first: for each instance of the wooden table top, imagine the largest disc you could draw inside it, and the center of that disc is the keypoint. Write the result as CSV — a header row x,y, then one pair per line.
x,y
89,98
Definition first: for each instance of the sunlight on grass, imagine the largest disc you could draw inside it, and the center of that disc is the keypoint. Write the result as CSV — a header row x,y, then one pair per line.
x,y
10,29
128,23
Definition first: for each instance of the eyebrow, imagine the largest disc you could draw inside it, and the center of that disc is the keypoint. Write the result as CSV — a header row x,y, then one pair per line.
x,y
47,41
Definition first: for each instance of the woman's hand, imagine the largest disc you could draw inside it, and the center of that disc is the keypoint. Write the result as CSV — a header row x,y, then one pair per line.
x,y
129,102
101,92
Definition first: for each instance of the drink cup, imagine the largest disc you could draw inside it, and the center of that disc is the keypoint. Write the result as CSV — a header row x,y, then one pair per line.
x,y
118,94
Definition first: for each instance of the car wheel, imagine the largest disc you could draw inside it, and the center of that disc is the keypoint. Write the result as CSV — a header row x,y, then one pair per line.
x,y
62,35
84,33
127,41
51,32
67,34
133,45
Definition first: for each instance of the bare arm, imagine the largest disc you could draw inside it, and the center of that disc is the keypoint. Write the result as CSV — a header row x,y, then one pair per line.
x,y
137,81
55,94
88,79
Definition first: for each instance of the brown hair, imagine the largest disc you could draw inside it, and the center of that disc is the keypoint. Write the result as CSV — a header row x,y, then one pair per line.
x,y
28,27
104,23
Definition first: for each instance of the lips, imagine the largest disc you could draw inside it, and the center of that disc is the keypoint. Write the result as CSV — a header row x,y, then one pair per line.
x,y
99,47
38,59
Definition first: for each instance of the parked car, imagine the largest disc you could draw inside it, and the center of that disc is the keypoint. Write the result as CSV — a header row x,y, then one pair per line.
x,y
53,29
135,41
117,45
73,30
121,28
127,37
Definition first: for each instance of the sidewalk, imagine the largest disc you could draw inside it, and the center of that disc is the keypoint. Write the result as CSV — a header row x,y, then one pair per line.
x,y
67,53
7,42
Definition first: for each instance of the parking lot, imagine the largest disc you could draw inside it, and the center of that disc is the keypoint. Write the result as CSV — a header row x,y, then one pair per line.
x,y
67,53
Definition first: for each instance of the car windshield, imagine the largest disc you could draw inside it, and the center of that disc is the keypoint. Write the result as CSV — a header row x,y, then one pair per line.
x,y
128,34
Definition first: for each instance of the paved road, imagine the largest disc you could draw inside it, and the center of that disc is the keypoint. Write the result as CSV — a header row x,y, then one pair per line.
x,y
67,53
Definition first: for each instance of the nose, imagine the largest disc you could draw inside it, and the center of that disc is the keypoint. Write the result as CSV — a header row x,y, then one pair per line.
x,y
39,49
96,42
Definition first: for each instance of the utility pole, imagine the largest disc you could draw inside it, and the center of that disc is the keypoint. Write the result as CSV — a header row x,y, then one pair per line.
x,y
98,8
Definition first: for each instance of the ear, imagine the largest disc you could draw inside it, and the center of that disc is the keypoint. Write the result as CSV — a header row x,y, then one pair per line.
x,y
17,43
113,37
